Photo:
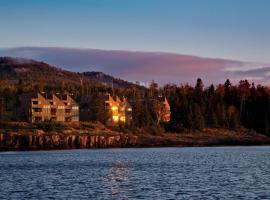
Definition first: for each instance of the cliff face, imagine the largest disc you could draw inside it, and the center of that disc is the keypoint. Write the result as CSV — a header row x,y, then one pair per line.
x,y
43,141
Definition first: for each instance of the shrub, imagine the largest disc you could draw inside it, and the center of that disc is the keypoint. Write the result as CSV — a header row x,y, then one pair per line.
x,y
49,126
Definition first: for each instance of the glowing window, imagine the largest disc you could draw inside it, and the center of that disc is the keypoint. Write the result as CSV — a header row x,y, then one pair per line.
x,y
123,118
115,118
114,108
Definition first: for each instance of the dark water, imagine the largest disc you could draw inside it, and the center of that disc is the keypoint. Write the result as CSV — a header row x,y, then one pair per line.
x,y
160,173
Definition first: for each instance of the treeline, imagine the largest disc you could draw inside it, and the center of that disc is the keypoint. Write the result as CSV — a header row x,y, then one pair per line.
x,y
198,107
226,105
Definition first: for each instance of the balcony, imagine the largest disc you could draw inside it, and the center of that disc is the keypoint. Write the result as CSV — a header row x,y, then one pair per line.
x,y
37,110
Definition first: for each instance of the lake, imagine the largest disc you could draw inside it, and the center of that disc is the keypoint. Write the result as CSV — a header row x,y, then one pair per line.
x,y
146,173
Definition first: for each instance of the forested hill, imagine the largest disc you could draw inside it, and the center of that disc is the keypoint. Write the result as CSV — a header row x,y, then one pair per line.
x,y
25,71
110,80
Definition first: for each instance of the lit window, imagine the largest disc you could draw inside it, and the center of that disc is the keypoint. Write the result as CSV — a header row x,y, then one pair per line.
x,y
129,109
115,118
114,108
123,118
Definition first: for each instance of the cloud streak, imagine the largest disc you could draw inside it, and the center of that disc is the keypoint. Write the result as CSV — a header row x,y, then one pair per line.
x,y
145,66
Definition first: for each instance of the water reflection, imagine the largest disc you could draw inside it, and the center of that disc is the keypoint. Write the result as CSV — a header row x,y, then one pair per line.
x,y
117,178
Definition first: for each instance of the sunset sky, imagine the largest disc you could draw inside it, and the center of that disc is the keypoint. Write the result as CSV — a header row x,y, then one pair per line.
x,y
224,38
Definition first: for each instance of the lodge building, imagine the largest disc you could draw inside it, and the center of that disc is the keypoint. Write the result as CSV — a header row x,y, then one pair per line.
x,y
37,108
120,111
165,110
117,111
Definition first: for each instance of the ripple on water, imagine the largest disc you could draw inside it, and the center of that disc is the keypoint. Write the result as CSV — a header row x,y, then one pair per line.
x,y
158,173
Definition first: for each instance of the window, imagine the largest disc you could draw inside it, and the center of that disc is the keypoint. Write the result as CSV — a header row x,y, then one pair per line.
x,y
37,110
75,119
123,118
35,102
115,118
68,119
37,119
68,111
114,108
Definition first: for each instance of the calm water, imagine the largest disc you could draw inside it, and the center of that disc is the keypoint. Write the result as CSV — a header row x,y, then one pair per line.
x,y
158,173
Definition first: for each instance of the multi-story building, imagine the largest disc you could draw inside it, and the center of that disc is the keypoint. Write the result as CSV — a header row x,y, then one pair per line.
x,y
71,109
166,110
120,111
161,108
36,108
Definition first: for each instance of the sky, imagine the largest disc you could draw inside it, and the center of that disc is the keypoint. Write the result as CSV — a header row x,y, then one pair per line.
x,y
232,30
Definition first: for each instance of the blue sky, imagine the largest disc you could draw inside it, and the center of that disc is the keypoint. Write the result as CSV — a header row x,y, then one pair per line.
x,y
234,29
231,30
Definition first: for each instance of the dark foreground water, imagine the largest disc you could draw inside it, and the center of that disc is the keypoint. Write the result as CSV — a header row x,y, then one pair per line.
x,y
158,173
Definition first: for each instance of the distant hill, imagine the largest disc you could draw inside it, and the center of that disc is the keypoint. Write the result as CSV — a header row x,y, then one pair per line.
x,y
15,70
109,80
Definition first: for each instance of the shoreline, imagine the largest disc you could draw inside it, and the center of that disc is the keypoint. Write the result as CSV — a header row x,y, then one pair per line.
x,y
23,136
23,140
118,148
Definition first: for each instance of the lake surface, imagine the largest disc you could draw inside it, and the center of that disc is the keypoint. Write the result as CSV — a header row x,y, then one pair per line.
x,y
154,173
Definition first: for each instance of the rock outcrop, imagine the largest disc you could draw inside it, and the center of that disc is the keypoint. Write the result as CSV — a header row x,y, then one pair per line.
x,y
37,139
43,141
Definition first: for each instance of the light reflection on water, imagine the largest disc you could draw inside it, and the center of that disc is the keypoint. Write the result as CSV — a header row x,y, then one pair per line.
x,y
117,175
157,173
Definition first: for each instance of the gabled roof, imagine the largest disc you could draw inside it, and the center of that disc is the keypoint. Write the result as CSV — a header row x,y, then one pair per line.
x,y
118,99
66,98
44,100
34,95
58,101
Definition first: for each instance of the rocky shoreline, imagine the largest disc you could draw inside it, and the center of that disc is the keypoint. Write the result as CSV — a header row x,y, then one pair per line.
x,y
21,136
17,141
40,140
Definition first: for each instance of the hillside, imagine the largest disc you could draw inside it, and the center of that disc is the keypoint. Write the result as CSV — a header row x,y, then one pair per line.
x,y
18,70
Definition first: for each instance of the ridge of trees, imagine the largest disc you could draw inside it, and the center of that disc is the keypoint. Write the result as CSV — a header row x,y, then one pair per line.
x,y
222,106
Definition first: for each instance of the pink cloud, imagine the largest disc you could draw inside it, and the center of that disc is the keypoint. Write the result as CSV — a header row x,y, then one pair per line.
x,y
141,66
